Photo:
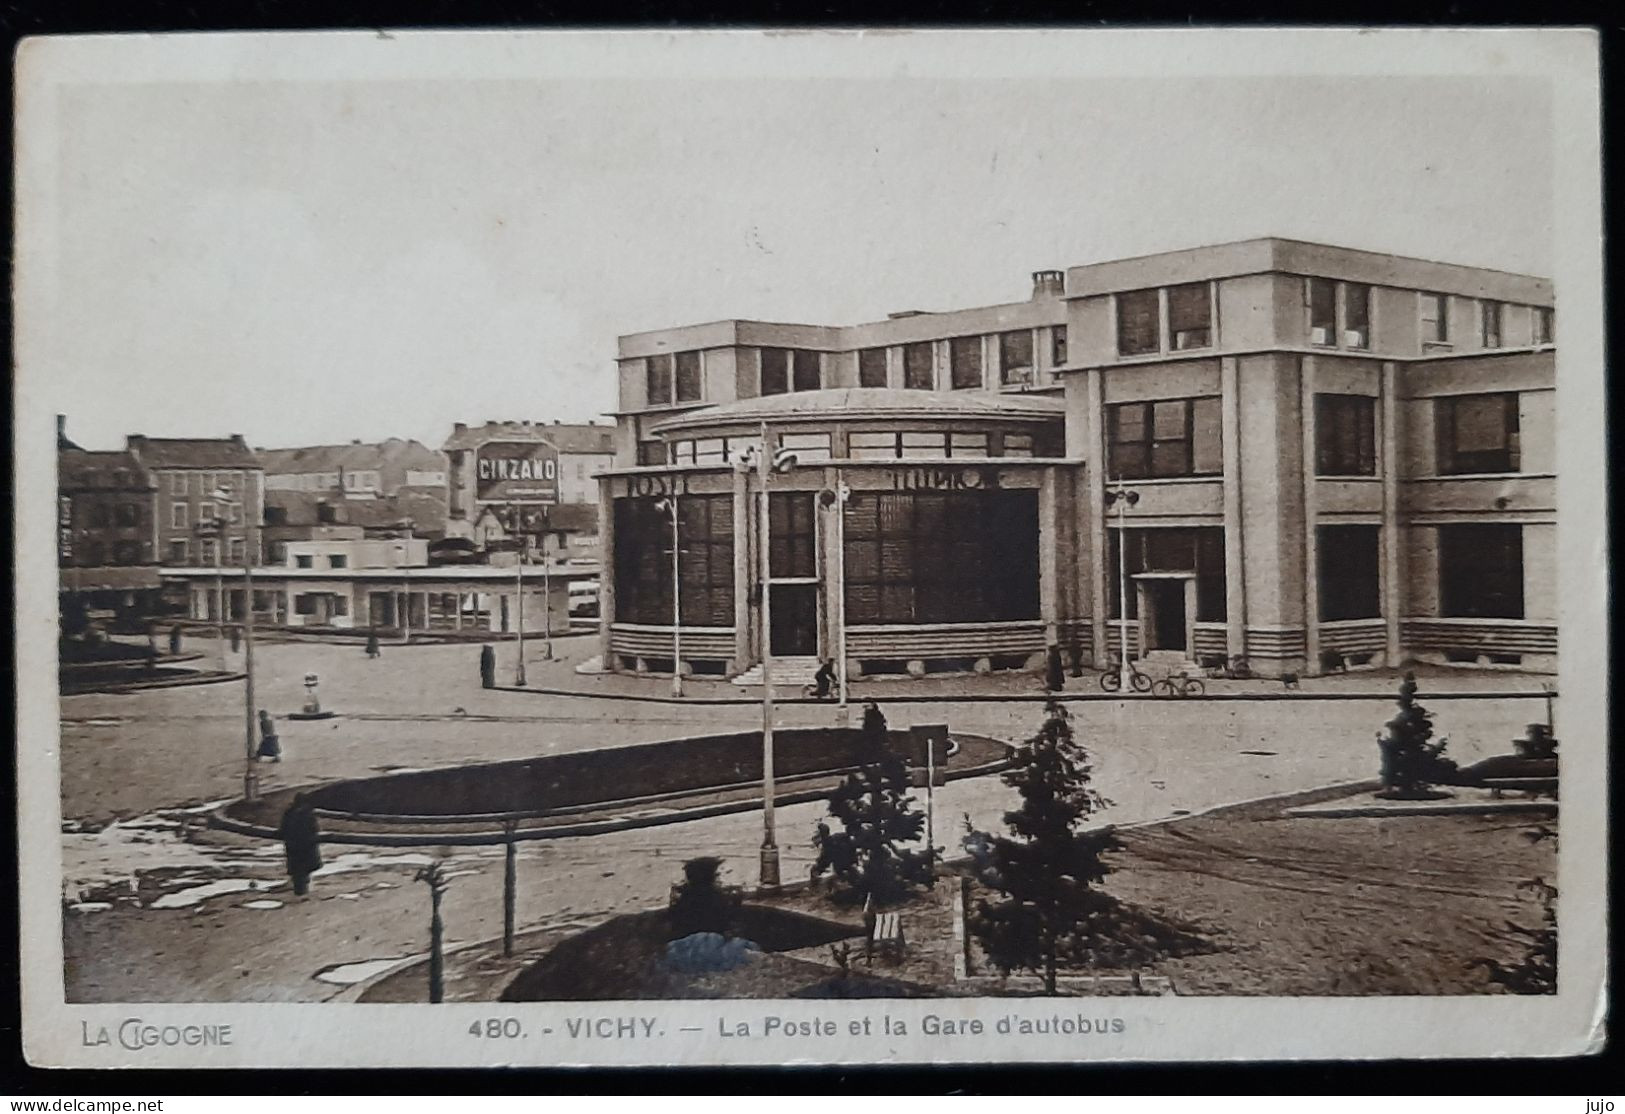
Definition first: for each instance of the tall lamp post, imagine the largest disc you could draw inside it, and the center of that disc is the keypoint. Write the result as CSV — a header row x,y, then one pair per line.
x,y
1122,499
251,777
766,465
214,529
669,504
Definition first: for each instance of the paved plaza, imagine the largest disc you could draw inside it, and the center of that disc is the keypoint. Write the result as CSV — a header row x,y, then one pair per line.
x,y
161,908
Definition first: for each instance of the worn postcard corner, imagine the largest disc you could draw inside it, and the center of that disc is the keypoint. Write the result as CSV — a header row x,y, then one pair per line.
x,y
729,549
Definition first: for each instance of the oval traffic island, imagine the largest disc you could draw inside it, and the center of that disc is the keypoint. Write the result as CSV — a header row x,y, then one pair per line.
x,y
593,791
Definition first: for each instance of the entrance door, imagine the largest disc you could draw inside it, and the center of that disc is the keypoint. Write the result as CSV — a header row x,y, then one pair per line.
x,y
795,620
1167,599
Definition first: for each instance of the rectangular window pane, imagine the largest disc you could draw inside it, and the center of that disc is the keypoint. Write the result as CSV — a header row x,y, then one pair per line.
x,y
922,445
809,374
710,450
872,367
810,448
965,362
967,445
1345,435
1057,340
1320,296
1137,324
1435,319
775,371
1543,325
1207,431
1478,433
1018,444
871,446
1190,315
1481,571
688,377
917,366
651,452
1356,315
658,379
1348,574
1168,419
1016,356
1490,320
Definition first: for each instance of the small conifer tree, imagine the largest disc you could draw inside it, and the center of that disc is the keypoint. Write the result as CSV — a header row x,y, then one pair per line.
x,y
1047,871
877,818
1411,762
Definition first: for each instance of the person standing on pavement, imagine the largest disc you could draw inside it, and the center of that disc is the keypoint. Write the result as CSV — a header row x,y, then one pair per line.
x,y
301,841
270,744
874,726
175,639
372,644
488,667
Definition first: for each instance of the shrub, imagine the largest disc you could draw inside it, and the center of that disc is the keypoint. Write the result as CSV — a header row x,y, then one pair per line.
x,y
700,903
876,816
1411,763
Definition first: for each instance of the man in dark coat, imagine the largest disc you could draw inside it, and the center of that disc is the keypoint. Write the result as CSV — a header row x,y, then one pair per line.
x,y
372,644
270,744
874,725
488,667
824,680
301,841
175,639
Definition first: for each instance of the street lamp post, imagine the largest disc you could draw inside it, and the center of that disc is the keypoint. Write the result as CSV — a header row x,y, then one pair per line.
x,y
670,504
251,777
519,618
1122,499
766,465
842,494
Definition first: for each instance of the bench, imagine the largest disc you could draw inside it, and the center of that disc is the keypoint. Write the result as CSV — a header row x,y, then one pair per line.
x,y
886,933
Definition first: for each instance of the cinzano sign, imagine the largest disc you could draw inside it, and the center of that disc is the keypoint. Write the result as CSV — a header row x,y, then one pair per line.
x,y
516,472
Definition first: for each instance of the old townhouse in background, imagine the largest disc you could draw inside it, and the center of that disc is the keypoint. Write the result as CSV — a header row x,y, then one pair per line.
x,y
528,480
210,498
106,547
390,488
1301,455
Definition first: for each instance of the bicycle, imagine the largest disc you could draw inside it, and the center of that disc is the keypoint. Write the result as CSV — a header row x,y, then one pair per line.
x,y
1111,679
1178,684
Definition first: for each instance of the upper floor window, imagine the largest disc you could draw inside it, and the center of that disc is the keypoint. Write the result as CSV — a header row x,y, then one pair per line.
x,y
1477,433
1137,323
177,483
1435,309
1190,316
918,370
785,370
64,511
1489,324
688,377
1057,345
1320,297
1168,437
809,370
658,378
338,561
1345,435
1016,357
1356,315
1543,325
129,514
237,547
810,448
177,516
872,367
178,552
304,560
1016,444
651,452
965,362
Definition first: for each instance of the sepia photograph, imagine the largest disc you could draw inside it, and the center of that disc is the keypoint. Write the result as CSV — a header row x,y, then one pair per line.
x,y
846,547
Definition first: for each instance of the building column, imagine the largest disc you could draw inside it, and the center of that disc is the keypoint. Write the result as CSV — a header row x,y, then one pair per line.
x,y
606,570
1391,542
1091,503
1049,565
1311,538
1235,562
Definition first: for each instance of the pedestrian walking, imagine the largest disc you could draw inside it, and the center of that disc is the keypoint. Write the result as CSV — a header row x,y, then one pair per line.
x,y
270,745
236,639
372,644
175,639
824,680
301,842
488,667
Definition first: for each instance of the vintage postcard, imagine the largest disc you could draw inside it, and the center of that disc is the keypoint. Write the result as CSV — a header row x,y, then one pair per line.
x,y
854,547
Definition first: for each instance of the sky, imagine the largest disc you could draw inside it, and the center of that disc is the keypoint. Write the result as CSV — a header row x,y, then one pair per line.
x,y
316,261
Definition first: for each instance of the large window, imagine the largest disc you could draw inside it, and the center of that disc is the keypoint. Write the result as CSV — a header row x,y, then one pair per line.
x,y
793,534
1169,437
688,377
785,370
1356,315
1190,315
1435,318
178,552
918,445
657,379
872,367
1016,357
953,557
918,372
965,362
643,557
1349,578
809,372
1477,433
1192,549
1345,435
1320,298
1489,324
1138,327
1481,571
651,452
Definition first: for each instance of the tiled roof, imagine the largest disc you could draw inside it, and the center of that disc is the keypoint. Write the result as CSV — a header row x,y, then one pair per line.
x,y
86,468
192,452
566,438
352,457
426,513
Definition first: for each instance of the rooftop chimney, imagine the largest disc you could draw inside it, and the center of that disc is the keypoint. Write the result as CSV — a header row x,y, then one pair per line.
x,y
61,425
459,427
1048,284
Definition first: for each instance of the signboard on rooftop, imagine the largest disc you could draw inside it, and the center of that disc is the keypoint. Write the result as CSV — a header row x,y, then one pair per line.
x,y
516,472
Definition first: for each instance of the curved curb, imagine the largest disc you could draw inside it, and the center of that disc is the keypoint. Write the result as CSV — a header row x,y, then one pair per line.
x,y
168,683
1017,697
219,819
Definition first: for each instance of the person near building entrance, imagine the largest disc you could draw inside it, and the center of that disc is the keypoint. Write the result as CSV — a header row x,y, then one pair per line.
x,y
270,745
372,644
301,842
488,667
175,639
874,725
236,639
824,680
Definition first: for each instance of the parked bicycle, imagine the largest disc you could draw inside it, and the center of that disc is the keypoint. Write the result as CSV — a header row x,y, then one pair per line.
x,y
1111,679
1178,684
